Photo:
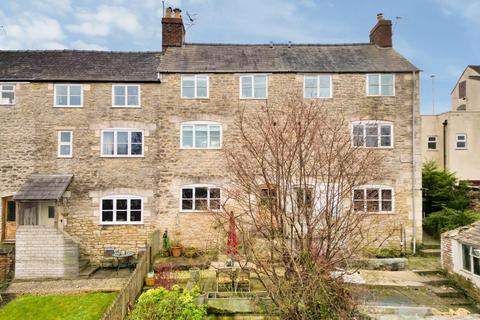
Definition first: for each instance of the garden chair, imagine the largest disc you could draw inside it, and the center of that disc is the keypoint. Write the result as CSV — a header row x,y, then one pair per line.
x,y
242,282
224,280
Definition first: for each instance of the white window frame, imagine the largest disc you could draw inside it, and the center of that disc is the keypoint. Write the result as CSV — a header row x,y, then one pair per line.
x,y
199,123
436,143
378,123
115,131
380,188
126,105
60,144
253,86
195,79
5,103
457,141
379,85
319,76
114,209
193,186
55,86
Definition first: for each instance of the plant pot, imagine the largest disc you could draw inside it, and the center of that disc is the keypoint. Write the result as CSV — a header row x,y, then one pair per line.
x,y
177,251
149,282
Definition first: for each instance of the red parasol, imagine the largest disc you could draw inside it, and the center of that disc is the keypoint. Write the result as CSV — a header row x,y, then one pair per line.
x,y
232,242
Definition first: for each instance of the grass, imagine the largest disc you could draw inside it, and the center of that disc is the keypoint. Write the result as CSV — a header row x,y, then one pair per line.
x,y
85,306
423,263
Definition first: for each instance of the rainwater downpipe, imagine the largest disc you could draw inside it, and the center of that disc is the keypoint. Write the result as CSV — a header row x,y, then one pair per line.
x,y
414,164
445,123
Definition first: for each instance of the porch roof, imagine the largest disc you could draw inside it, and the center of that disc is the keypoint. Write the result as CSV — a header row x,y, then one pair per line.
x,y
469,235
44,187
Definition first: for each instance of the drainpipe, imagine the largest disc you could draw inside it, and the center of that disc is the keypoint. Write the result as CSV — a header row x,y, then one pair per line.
x,y
445,123
414,164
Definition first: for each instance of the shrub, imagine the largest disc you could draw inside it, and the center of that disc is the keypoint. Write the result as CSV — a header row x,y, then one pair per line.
x,y
164,276
447,219
176,304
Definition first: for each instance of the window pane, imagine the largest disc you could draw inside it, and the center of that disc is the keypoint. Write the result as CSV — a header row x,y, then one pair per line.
x,y
188,87
136,204
75,101
75,90
385,130
107,216
189,92
476,265
214,136
6,87
187,193
11,210
108,143
246,87
387,79
8,97
260,86
466,257
310,87
201,192
122,149
65,136
310,92
373,79
136,149
132,91
137,137
385,141
358,205
324,82
121,204
214,193
387,90
135,215
61,100
121,215
187,136
214,204
386,205
187,204
119,90
373,90
107,204
201,86
61,90
432,145
358,194
372,206
64,150
372,194
119,100
201,204
461,145
201,136
372,141
201,92
122,137
324,92
132,101
386,194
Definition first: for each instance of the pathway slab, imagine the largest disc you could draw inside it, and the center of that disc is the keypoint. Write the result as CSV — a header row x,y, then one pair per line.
x,y
65,286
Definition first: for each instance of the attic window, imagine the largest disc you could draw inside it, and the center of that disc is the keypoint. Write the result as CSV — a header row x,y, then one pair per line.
x,y
462,90
7,94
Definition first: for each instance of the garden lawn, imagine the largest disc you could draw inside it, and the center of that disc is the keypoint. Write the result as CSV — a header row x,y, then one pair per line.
x,y
85,306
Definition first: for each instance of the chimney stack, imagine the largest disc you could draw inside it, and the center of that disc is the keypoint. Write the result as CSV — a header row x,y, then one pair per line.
x,y
381,34
173,31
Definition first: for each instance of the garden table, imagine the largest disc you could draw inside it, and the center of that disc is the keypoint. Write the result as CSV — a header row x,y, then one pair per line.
x,y
123,255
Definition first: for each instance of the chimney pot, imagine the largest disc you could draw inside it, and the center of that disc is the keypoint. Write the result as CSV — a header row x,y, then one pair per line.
x,y
168,12
177,12
379,16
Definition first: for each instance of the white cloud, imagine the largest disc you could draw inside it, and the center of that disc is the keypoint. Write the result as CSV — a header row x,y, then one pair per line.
x,y
469,9
104,21
58,6
31,31
82,45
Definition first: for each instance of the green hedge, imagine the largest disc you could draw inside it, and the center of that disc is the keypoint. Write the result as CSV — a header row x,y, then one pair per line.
x,y
447,219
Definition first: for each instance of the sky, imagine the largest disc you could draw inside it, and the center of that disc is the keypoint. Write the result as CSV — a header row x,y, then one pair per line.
x,y
441,37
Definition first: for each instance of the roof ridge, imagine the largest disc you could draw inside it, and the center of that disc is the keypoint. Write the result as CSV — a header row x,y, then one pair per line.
x,y
77,50
279,44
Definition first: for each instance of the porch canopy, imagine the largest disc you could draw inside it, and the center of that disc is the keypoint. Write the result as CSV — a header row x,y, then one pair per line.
x,y
44,187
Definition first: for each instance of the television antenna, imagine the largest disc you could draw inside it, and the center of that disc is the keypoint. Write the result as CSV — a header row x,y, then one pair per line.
x,y
192,19
397,19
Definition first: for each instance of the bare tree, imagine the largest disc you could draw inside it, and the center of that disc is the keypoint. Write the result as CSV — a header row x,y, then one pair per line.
x,y
293,169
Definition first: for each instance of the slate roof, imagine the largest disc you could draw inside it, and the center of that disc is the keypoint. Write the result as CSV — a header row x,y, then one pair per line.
x,y
77,65
225,58
476,68
44,187
469,235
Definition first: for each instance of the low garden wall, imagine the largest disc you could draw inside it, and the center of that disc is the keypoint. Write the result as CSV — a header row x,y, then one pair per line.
x,y
125,300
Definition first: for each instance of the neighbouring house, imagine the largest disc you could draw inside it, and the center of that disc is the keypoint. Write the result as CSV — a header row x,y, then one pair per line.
x,y
100,148
460,253
451,138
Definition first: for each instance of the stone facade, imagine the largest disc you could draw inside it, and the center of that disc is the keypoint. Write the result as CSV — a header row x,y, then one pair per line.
x,y
33,123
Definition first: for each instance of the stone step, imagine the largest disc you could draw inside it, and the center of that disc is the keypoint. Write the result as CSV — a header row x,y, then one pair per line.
x,y
87,271
437,282
431,245
430,252
426,272
447,292
83,263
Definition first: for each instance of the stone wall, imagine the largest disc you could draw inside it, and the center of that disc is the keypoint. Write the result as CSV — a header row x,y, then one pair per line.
x,y
446,252
29,132
44,252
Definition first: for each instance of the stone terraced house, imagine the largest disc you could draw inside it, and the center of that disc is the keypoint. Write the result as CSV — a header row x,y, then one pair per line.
x,y
101,148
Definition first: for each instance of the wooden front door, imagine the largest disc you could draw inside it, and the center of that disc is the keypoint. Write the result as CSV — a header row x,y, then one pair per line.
x,y
9,219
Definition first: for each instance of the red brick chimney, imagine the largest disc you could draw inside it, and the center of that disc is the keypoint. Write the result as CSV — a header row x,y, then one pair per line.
x,y
381,34
173,31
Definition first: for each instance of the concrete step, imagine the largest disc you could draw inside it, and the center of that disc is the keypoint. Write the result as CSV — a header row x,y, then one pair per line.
x,y
430,252
83,263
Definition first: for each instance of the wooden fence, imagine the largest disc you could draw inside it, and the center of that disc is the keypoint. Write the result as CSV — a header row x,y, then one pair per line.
x,y
132,288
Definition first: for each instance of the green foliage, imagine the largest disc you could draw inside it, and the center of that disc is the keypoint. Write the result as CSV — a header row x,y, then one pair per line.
x,y
387,252
176,304
86,306
442,189
448,219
